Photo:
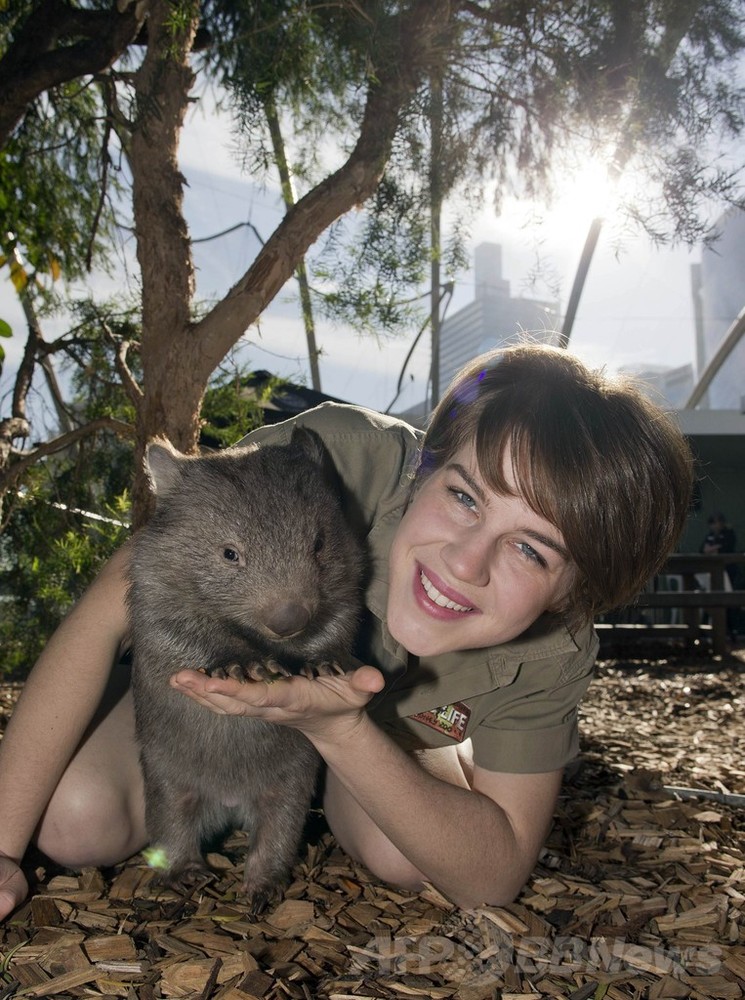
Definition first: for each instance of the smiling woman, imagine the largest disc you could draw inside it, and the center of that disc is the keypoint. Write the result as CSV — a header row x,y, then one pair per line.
x,y
588,454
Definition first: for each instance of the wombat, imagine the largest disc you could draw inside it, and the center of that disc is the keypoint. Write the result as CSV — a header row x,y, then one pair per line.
x,y
248,567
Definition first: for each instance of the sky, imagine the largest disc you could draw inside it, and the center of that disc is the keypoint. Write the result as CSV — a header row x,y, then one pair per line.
x,y
636,307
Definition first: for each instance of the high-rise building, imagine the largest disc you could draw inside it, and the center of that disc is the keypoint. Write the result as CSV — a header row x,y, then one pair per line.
x,y
493,319
668,387
719,296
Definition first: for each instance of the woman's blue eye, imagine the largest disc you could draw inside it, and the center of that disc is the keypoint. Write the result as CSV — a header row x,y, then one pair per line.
x,y
530,553
463,498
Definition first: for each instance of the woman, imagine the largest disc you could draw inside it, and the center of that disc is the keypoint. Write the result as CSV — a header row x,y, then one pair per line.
x,y
542,494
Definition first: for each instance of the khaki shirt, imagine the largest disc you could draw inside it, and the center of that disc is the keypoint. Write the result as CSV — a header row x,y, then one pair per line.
x,y
516,702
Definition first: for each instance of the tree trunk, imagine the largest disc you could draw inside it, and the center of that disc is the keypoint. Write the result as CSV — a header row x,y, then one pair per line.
x,y
288,196
171,394
178,356
435,229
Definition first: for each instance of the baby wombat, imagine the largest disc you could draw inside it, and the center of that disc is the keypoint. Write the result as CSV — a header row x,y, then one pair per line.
x,y
249,568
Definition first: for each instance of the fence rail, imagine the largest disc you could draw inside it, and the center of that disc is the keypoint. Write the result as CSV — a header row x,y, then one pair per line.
x,y
697,586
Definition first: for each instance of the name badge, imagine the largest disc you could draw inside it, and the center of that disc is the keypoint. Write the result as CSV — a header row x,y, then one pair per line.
x,y
450,720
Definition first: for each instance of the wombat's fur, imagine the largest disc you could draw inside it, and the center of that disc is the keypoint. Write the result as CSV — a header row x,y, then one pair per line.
x,y
247,566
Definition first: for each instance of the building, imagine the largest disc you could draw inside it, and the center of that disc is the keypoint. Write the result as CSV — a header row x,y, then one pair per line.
x,y
493,319
717,439
669,387
718,285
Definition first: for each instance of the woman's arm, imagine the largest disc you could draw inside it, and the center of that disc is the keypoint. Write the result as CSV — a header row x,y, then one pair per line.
x,y
56,705
477,844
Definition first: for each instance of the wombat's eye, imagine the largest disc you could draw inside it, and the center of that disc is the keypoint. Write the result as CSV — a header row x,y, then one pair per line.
x,y
230,555
319,542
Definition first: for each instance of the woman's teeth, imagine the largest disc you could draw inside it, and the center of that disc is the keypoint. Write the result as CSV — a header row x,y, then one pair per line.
x,y
434,595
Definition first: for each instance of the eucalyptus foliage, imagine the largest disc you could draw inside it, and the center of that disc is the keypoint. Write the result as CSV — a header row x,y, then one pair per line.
x,y
74,509
635,83
650,83
649,86
54,208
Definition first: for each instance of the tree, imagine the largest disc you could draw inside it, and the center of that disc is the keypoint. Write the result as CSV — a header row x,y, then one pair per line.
x,y
54,181
178,351
517,79
74,509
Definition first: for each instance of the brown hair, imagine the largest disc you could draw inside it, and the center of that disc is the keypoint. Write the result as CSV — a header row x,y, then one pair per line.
x,y
590,453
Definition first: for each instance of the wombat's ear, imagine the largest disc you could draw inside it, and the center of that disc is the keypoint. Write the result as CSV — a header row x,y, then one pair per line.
x,y
163,465
311,444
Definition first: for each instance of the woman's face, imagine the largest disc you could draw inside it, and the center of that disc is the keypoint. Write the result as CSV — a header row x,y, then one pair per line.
x,y
470,568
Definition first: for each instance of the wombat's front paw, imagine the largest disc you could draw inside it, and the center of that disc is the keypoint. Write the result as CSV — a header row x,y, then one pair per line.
x,y
261,897
328,668
257,903
267,671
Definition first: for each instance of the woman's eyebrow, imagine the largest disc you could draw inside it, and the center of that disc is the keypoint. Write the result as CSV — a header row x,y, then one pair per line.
x,y
538,536
551,543
469,480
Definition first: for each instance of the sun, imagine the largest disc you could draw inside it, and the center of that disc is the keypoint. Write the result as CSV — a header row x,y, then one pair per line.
x,y
586,187
581,189
562,218
584,194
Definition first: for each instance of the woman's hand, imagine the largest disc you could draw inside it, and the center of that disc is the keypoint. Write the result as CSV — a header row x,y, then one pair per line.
x,y
326,707
13,886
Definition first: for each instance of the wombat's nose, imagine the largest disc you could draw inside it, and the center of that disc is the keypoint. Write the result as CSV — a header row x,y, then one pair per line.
x,y
287,619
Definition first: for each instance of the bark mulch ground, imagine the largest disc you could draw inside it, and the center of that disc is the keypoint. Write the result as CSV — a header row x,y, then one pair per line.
x,y
638,894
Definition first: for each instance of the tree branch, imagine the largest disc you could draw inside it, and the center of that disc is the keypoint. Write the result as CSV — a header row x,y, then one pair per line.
x,y
34,62
397,81
24,460
128,381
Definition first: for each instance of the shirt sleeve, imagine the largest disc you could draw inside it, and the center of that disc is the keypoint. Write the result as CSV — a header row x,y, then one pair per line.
x,y
373,454
535,730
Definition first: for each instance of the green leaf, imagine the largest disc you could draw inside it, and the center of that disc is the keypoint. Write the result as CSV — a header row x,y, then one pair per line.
x,y
5,330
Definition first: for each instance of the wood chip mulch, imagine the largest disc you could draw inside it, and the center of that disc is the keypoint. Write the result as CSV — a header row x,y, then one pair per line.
x,y
638,894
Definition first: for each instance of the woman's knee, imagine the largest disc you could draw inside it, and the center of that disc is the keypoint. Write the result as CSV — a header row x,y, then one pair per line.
x,y
96,815
89,823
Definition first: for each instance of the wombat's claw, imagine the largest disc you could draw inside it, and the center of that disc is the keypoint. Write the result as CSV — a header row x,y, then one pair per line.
x,y
313,670
237,671
267,672
234,670
257,903
328,668
185,880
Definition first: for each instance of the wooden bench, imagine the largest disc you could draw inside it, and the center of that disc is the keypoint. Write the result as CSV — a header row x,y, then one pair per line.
x,y
692,601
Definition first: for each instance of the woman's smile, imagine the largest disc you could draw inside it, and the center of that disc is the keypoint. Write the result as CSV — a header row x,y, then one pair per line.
x,y
441,596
